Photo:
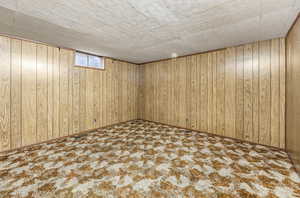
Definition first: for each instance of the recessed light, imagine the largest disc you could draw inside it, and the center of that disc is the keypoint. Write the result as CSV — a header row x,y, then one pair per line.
x,y
174,55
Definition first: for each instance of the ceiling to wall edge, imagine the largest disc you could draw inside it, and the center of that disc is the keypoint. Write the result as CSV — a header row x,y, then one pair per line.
x,y
165,59
61,47
293,24
214,50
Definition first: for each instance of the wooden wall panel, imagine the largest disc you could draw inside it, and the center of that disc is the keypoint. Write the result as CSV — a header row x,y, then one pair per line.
x,y
120,92
44,97
96,90
220,92
82,101
89,101
141,90
181,71
282,94
236,92
188,94
214,101
275,97
292,93
100,99
248,109
70,58
50,87
203,92
76,100
239,92
42,93
115,94
16,93
29,94
64,92
104,98
255,91
197,92
56,96
210,78
5,87
230,82
194,91
265,91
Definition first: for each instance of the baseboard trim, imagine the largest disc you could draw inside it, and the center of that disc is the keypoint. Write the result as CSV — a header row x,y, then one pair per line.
x,y
222,136
92,130
5,152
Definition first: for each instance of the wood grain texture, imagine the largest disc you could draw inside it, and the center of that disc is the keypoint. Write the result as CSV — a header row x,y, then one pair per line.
x,y
64,92
50,91
5,87
292,93
76,100
42,93
204,92
248,108
198,92
89,100
265,92
240,92
188,93
227,92
214,101
16,93
275,92
70,89
255,91
29,94
194,92
221,92
209,92
141,91
82,100
181,91
56,94
44,97
230,96
282,89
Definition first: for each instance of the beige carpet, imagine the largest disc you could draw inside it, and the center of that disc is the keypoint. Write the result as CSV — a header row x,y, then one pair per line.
x,y
143,159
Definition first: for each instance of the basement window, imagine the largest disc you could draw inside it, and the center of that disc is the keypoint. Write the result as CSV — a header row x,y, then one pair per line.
x,y
89,61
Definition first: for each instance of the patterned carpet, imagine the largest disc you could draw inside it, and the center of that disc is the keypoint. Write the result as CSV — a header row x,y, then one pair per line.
x,y
143,159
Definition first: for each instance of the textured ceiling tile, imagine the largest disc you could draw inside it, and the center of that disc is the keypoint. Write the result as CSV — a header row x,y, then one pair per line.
x,y
10,4
293,13
147,30
192,8
6,16
245,31
275,5
273,23
156,10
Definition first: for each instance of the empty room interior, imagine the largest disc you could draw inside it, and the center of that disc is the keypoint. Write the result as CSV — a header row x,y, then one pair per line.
x,y
150,98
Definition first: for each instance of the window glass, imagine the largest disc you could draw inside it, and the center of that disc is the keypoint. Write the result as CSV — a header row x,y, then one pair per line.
x,y
86,60
81,59
95,61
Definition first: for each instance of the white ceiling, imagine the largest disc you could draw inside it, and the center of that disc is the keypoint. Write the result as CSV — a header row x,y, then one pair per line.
x,y
146,30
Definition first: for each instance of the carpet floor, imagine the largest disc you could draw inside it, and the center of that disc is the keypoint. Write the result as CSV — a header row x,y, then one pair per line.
x,y
143,159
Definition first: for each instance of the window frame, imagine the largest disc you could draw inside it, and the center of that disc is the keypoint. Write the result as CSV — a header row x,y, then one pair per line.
x,y
102,59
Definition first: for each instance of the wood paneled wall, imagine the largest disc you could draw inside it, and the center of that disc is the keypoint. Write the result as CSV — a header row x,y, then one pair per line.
x,y
42,96
293,94
237,92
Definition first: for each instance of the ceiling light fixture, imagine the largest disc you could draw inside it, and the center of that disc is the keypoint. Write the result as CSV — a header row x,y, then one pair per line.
x,y
174,55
